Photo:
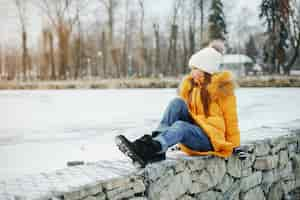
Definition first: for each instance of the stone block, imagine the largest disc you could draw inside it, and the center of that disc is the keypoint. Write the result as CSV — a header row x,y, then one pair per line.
x,y
234,166
180,166
127,190
248,162
246,172
196,164
283,158
211,195
216,168
251,181
262,148
278,144
185,197
273,176
266,162
276,192
115,183
172,188
90,198
100,196
233,192
225,184
292,149
202,184
255,193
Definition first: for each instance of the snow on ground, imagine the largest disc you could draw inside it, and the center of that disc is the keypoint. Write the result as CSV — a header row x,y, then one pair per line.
x,y
41,130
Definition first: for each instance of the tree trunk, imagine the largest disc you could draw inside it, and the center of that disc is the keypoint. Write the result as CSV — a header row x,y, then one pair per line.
x,y
52,60
157,48
24,54
185,53
104,54
201,20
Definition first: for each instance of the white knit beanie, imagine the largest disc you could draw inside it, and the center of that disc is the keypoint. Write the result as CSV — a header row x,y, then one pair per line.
x,y
207,59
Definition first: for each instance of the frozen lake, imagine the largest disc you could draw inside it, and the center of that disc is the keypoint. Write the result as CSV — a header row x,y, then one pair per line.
x,y
41,130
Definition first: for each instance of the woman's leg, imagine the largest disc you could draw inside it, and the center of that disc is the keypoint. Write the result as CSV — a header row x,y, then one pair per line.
x,y
175,111
186,133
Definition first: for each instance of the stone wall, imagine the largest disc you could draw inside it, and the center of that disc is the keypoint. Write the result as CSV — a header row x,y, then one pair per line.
x,y
272,171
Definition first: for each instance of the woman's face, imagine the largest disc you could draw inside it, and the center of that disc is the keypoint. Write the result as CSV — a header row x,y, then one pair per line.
x,y
198,75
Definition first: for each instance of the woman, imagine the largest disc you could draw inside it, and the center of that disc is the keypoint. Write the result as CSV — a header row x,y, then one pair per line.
x,y
202,120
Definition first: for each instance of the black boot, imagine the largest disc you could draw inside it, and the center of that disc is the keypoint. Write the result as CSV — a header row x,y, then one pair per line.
x,y
142,151
147,140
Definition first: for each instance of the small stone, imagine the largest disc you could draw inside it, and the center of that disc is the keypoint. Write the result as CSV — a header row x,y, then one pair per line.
x,y
115,183
272,176
180,166
127,190
216,168
276,192
261,148
234,166
255,193
283,158
185,197
251,181
278,144
266,162
211,195
292,149
233,192
225,183
202,184
246,172
196,164
288,186
138,198
90,198
170,188
100,196
248,162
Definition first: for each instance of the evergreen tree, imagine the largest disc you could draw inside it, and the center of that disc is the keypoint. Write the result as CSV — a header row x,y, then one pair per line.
x,y
283,33
217,25
251,49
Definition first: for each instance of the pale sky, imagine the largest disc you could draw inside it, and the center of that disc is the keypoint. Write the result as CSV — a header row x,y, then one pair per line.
x,y
10,27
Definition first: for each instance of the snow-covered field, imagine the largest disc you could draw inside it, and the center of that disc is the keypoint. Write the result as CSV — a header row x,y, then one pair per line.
x,y
41,130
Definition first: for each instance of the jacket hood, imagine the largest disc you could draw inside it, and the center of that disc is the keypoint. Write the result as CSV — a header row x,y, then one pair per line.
x,y
222,85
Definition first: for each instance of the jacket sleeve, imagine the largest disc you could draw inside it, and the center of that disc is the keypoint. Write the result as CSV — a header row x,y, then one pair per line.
x,y
214,121
184,87
228,105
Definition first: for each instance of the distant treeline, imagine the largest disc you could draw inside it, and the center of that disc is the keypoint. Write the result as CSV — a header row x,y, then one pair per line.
x,y
136,46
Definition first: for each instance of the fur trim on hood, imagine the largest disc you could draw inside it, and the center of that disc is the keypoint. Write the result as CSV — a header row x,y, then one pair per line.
x,y
222,85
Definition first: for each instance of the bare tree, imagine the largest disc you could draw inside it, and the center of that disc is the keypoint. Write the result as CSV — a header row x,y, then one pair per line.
x,y
192,27
201,6
143,52
157,47
22,9
110,6
172,51
126,41
2,61
62,15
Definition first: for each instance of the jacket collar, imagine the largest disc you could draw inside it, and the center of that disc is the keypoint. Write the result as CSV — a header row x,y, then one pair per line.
x,y
222,85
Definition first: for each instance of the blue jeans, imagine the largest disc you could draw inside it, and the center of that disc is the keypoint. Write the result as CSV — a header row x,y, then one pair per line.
x,y
177,126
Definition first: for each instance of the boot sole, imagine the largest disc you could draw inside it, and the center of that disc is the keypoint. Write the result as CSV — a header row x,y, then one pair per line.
x,y
124,146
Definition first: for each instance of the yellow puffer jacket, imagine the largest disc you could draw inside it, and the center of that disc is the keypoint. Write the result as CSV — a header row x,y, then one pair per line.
x,y
221,126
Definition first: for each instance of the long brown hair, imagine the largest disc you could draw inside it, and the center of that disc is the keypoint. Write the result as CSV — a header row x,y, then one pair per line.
x,y
205,98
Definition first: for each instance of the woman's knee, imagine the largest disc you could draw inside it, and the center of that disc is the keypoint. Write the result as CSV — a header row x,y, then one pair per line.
x,y
178,103
181,124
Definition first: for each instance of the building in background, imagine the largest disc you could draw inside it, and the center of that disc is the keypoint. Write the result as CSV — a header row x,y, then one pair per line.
x,y
238,64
